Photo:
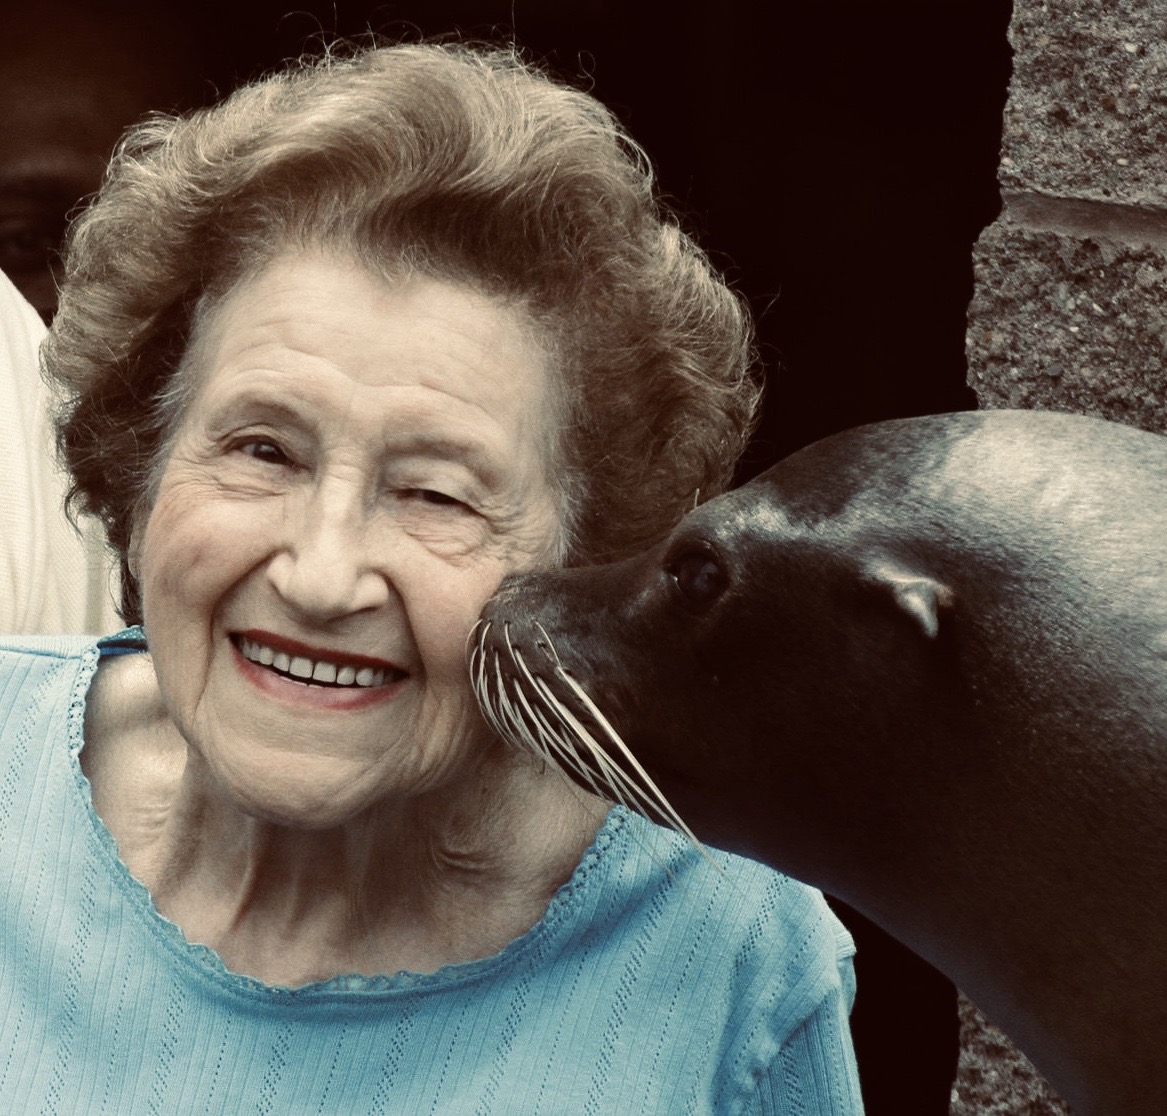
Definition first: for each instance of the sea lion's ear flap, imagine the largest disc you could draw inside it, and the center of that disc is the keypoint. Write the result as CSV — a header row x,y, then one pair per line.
x,y
917,596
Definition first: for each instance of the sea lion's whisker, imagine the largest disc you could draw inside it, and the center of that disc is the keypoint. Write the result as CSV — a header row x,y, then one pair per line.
x,y
556,743
641,789
567,757
510,725
616,783
493,697
499,711
531,733
479,655
614,738
550,644
571,745
476,635
524,733
582,739
563,745
520,691
534,732
571,760
478,661
478,673
506,635
550,744
619,782
544,728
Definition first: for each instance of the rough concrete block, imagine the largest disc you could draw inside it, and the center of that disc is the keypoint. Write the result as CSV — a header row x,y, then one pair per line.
x,y
1087,111
1070,309
1059,322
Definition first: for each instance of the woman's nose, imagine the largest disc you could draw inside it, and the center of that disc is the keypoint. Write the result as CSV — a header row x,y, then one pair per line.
x,y
324,567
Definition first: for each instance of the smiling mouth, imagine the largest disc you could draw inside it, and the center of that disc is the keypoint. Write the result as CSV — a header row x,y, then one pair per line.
x,y
336,674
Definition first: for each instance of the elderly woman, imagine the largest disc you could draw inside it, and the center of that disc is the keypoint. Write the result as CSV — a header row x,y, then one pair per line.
x,y
342,353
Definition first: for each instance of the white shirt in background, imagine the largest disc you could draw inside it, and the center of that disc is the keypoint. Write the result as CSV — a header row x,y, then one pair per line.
x,y
52,579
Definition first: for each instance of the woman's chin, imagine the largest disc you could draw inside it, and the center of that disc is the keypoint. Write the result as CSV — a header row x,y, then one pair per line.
x,y
301,793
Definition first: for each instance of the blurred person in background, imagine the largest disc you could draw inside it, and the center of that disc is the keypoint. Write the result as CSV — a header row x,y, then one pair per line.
x,y
73,77
53,577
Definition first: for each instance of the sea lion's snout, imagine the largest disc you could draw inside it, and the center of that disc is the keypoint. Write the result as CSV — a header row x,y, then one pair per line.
x,y
511,649
530,659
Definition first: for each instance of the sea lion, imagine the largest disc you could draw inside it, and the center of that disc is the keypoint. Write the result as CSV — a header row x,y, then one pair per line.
x,y
920,665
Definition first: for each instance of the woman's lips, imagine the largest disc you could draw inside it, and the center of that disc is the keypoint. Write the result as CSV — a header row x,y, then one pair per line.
x,y
268,657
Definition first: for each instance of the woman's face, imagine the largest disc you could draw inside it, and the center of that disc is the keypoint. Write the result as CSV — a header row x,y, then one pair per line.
x,y
361,463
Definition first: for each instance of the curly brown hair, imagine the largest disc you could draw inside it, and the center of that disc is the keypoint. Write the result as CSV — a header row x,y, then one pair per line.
x,y
463,162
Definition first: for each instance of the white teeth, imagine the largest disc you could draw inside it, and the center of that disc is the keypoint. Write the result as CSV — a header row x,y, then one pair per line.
x,y
323,672
301,666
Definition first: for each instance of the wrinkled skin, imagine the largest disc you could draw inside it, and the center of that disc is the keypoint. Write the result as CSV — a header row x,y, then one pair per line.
x,y
920,665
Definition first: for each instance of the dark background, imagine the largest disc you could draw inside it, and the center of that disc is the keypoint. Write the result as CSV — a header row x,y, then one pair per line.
x,y
836,159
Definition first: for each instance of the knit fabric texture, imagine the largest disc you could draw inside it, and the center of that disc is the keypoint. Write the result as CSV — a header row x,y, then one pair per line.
x,y
658,981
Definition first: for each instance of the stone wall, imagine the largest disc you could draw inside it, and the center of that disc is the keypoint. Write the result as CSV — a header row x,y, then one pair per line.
x,y
1070,309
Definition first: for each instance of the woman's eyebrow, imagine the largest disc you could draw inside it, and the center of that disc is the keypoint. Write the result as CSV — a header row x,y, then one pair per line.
x,y
254,403
472,451
469,449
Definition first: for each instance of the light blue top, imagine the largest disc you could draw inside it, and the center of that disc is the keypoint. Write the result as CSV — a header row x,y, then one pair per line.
x,y
654,983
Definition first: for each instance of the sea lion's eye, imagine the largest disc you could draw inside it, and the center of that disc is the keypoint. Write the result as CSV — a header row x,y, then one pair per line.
x,y
698,575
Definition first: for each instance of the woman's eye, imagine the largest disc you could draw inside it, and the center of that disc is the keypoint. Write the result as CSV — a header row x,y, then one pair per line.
x,y
432,496
267,452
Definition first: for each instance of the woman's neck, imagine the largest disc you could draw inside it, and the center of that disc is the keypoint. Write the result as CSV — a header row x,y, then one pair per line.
x,y
409,885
